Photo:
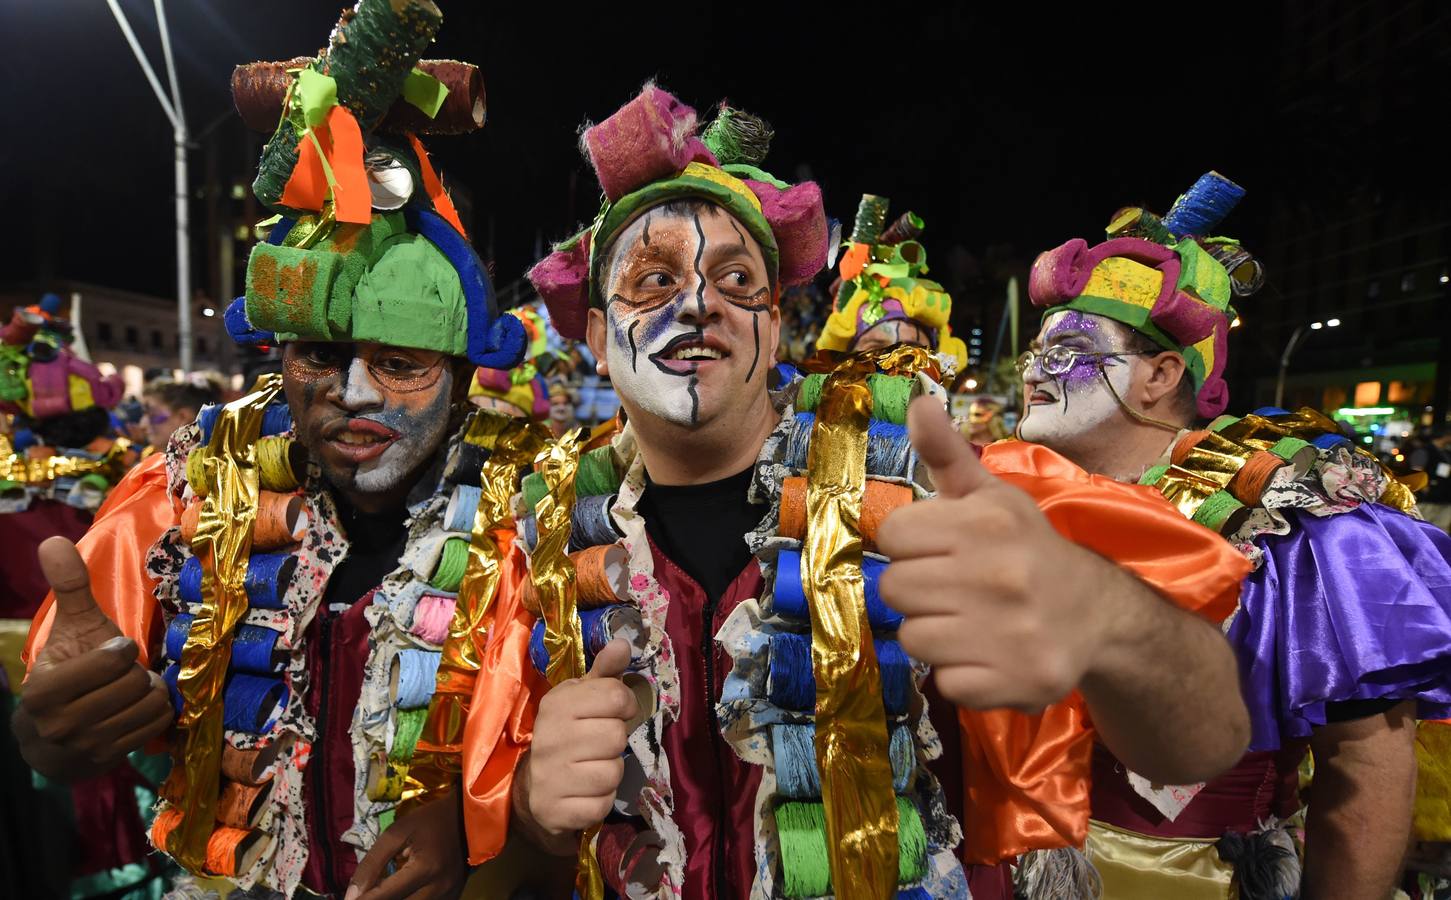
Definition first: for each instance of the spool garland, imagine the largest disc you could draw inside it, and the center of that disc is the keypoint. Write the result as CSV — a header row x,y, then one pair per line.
x,y
891,395
889,450
805,856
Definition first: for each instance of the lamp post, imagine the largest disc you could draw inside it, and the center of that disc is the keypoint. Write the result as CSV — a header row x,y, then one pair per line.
x,y
1295,339
174,113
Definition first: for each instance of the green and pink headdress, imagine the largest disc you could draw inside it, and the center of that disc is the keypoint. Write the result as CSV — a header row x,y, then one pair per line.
x,y
649,153
41,377
366,245
1166,278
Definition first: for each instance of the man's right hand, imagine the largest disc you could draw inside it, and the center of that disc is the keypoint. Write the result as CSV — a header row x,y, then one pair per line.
x,y
574,765
86,703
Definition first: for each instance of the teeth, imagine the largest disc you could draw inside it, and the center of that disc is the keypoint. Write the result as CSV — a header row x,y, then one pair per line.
x,y
697,353
353,437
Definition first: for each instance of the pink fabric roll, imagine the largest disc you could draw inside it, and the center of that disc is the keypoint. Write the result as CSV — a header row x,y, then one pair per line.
x,y
562,279
798,219
432,616
650,138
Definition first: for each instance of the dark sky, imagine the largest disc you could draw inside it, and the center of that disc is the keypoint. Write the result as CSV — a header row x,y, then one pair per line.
x,y
1021,126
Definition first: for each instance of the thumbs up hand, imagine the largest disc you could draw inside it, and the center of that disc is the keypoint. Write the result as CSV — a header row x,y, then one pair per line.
x,y
573,769
86,703
996,600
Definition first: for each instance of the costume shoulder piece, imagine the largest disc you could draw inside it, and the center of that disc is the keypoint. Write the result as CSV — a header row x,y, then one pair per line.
x,y
882,279
63,445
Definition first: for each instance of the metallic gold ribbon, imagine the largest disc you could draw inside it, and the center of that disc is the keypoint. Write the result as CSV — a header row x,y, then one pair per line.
x,y
851,724
223,543
552,573
15,467
512,445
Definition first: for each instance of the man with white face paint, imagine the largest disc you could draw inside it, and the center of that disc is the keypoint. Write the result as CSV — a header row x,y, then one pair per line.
x,y
742,743
273,595
1124,375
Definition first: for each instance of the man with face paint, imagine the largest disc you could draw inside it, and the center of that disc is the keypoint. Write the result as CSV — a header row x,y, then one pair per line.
x,y
882,297
1341,630
692,754
274,597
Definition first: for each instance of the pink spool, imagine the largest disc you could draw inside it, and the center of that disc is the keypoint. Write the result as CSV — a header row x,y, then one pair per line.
x,y
431,617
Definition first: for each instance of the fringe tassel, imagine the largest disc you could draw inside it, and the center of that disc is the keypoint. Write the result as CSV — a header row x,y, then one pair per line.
x,y
1062,874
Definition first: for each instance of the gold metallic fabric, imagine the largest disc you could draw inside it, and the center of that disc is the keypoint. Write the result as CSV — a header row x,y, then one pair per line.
x,y
223,543
552,573
851,724
1432,812
1138,867
15,467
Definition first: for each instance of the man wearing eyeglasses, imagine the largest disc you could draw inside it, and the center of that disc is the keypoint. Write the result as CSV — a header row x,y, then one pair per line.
x,y
1342,627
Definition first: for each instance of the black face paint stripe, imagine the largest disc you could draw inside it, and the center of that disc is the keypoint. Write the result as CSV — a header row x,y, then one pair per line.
x,y
756,331
632,309
700,276
757,302
645,235
634,353
694,400
732,222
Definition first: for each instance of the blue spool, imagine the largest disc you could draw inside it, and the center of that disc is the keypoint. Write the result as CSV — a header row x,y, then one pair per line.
x,y
1328,441
252,703
537,654
590,524
791,684
189,583
268,575
463,507
595,626
889,450
169,675
1271,411
1203,206
797,776
276,419
176,635
790,594
915,893
252,647
417,677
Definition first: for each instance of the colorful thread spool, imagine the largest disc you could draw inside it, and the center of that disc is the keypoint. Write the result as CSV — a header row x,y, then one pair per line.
x,y
407,727
590,524
602,575
452,562
599,626
413,678
463,505
791,683
233,850
805,866
386,779
252,704
789,592
282,521
467,465
276,419
196,477
889,450
1221,512
254,648
891,395
629,858
170,675
596,476
797,777
242,805
281,464
878,501
251,767
1254,476
163,825
268,576
432,616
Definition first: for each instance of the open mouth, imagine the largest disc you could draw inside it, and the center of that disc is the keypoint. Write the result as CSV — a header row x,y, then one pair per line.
x,y
687,353
359,440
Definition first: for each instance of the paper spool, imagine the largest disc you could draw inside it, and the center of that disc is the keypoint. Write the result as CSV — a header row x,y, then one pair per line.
x,y
242,805
253,767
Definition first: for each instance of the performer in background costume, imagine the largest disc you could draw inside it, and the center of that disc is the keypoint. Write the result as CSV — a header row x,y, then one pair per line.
x,y
1342,628
711,585
287,598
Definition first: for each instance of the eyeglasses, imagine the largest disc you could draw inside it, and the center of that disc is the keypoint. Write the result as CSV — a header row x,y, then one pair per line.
x,y
1058,359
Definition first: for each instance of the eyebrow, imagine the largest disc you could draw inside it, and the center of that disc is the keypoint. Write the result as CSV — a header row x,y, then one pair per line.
x,y
723,252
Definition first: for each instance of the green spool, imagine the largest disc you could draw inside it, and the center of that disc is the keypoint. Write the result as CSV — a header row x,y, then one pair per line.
x,y
1222,423
534,490
451,565
93,480
1290,449
891,395
805,867
1152,476
407,728
1217,510
871,218
596,476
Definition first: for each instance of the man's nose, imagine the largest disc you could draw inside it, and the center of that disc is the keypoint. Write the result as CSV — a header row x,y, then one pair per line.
x,y
703,304
358,390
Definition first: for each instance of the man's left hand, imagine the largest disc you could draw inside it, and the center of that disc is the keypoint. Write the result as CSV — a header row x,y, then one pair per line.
x,y
996,600
428,851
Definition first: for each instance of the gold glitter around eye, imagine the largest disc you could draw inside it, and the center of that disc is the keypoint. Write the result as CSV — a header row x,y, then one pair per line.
x,y
409,382
301,370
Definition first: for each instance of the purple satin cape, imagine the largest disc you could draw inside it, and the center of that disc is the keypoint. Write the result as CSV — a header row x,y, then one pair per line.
x,y
1355,606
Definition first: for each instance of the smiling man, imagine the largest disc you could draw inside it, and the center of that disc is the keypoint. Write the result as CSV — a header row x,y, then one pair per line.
x,y
1342,627
272,596
703,528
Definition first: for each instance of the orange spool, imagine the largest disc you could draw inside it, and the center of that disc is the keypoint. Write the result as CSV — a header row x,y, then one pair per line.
x,y
228,850
1185,444
189,519
165,824
281,521
242,805
600,574
250,766
1254,476
880,498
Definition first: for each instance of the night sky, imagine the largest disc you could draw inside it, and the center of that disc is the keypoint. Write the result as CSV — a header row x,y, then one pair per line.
x,y
1009,130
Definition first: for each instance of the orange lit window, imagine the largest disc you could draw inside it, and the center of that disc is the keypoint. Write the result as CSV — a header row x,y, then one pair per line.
x,y
1367,393
1403,392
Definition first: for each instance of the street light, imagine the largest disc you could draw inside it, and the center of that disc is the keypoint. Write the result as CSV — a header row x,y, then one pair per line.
x,y
1294,342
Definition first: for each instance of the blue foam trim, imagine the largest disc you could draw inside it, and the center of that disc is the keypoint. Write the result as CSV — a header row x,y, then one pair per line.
x,y
240,330
494,341
1201,208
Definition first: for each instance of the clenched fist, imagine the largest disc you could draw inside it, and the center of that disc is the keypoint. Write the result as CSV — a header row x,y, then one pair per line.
x,y
574,765
86,703
996,600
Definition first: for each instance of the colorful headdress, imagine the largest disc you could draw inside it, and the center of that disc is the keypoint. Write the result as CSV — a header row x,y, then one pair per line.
x,y
648,153
522,386
40,377
881,279
1165,278
358,253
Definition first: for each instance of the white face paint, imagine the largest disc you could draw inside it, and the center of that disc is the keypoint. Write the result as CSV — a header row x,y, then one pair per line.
x,y
1066,411
689,327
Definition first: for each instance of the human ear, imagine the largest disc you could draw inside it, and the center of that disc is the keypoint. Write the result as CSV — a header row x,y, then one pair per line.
x,y
594,337
1166,370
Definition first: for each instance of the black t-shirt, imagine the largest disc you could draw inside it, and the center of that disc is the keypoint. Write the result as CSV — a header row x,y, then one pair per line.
x,y
377,541
702,527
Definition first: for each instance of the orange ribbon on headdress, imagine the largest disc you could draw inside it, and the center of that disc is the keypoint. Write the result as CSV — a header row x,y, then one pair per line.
x,y
330,158
431,183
